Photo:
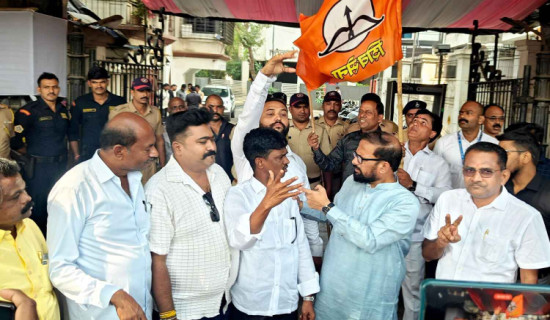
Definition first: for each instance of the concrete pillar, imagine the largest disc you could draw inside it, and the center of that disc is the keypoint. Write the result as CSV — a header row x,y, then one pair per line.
x,y
245,71
527,51
450,115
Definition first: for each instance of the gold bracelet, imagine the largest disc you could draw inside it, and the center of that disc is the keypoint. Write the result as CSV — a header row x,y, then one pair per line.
x,y
168,314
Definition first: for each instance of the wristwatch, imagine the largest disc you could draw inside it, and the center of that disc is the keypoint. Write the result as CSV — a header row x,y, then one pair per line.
x,y
327,208
413,187
309,298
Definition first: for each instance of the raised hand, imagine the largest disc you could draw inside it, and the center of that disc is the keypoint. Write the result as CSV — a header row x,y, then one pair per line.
x,y
449,232
316,198
313,140
275,65
278,191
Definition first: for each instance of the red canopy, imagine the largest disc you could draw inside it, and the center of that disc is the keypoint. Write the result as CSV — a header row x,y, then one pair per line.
x,y
451,15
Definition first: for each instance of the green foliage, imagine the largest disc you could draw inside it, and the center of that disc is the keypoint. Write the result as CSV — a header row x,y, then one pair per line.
x,y
233,68
212,74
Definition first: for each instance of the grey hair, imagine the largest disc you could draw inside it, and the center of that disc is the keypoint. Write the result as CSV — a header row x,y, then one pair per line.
x,y
8,169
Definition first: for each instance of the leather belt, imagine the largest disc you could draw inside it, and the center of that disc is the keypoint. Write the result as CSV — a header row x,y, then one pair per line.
x,y
40,159
313,180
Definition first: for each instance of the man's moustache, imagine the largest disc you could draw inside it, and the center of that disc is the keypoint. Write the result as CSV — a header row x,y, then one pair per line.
x,y
462,120
208,154
27,207
496,126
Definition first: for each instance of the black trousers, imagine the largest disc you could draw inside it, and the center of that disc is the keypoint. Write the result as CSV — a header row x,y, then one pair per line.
x,y
235,314
39,186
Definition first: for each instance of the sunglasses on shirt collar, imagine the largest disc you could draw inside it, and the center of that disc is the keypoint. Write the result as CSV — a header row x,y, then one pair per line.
x,y
214,214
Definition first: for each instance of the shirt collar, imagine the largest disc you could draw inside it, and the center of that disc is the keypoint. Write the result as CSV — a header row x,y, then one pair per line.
x,y
535,184
339,121
134,110
426,149
499,203
256,185
307,127
476,138
104,173
175,173
19,227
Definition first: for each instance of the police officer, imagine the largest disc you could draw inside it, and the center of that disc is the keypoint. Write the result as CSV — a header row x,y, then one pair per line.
x,y
41,130
336,128
141,94
89,113
299,130
6,121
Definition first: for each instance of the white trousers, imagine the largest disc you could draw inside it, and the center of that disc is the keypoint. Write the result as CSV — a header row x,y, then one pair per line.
x,y
411,284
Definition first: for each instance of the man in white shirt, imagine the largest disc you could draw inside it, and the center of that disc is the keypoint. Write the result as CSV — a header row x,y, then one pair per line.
x,y
492,233
191,256
453,146
264,223
426,175
98,227
261,109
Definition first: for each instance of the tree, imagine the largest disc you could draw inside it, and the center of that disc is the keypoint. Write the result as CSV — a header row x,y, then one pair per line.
x,y
249,36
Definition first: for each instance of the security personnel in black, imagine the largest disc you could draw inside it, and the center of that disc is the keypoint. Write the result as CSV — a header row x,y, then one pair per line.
x,y
40,134
89,113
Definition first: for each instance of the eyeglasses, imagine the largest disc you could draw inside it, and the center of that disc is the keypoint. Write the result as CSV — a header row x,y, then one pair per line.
x,y
483,172
279,96
214,214
493,119
361,159
295,229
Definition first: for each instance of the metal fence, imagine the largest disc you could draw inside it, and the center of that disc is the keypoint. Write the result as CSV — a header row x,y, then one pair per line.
x,y
122,75
504,93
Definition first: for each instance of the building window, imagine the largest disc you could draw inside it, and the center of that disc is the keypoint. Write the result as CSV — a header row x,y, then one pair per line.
x,y
417,70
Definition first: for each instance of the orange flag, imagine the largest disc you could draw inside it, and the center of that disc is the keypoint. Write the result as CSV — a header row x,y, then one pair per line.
x,y
348,40
515,308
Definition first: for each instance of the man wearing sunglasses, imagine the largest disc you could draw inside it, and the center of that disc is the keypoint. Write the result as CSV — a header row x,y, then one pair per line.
x,y
264,223
270,111
483,233
494,120
192,262
222,132
373,217
426,175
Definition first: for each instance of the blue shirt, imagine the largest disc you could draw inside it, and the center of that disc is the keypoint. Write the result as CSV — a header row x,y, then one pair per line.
x,y
97,237
364,262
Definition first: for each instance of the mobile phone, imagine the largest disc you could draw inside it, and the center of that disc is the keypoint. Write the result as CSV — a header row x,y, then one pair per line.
x,y
7,310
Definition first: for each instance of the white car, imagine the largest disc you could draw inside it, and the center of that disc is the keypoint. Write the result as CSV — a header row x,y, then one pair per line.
x,y
225,93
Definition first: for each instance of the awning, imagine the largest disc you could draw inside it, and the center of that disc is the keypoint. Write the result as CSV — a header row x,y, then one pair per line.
x,y
442,15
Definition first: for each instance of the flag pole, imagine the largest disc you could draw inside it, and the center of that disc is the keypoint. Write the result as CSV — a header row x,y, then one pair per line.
x,y
400,100
311,117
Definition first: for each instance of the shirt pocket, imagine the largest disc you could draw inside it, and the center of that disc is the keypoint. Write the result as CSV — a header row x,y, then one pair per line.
x,y
493,249
290,231
425,178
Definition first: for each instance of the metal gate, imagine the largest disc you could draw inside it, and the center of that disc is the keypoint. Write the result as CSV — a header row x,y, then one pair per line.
x,y
505,93
122,75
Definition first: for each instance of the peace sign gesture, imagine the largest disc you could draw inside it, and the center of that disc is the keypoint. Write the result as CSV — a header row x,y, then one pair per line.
x,y
275,65
449,232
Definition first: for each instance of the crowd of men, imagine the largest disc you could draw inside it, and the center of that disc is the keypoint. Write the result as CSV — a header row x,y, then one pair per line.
x,y
197,218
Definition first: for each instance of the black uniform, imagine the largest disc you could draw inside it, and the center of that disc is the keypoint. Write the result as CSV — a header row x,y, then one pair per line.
x,y
87,120
224,156
44,133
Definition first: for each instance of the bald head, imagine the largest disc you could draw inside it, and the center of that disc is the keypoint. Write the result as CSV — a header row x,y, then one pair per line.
x,y
176,105
124,129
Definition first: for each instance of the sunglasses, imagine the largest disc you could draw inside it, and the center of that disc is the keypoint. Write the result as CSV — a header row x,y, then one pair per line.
x,y
214,214
483,172
361,159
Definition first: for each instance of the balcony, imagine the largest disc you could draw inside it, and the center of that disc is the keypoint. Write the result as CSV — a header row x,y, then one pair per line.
x,y
107,8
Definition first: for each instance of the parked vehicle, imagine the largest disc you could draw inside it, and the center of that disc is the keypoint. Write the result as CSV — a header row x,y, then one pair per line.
x,y
225,93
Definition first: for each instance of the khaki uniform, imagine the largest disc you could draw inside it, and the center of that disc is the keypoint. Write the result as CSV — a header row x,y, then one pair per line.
x,y
153,116
6,120
297,141
353,127
336,132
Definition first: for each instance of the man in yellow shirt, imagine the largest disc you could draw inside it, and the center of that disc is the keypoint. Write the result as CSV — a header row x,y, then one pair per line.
x,y
24,262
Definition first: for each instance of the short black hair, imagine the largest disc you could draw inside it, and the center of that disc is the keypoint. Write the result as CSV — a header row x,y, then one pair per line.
x,y
8,169
376,99
97,72
197,86
490,148
437,124
387,149
46,76
183,86
259,143
536,130
523,141
177,124
111,136
492,105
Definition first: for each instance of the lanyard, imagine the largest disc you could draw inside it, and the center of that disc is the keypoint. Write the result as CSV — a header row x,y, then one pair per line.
x,y
460,144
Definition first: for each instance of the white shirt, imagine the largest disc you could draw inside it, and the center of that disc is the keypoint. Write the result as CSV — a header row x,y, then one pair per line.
x,y
449,148
495,239
198,255
432,177
97,237
250,119
276,264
